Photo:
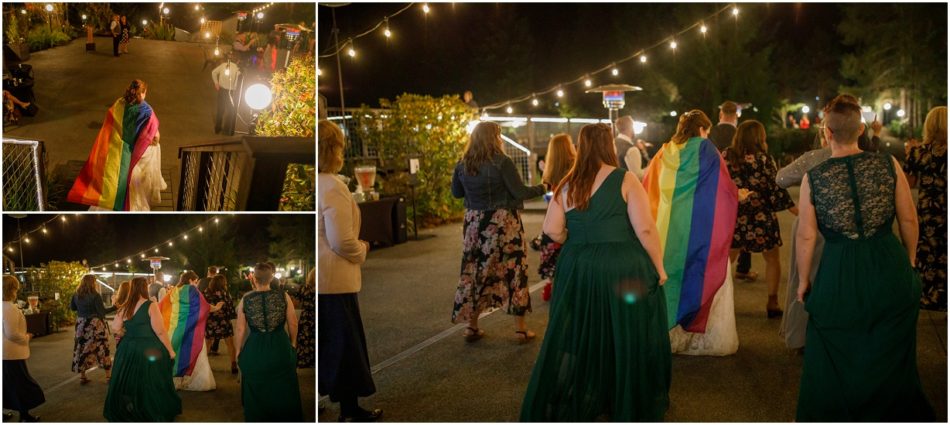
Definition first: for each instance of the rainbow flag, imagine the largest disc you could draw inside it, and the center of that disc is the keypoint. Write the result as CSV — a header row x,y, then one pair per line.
x,y
694,203
125,134
184,312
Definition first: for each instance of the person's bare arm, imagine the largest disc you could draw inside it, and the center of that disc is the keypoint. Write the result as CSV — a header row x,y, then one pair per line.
x,y
805,238
906,214
155,316
555,222
117,323
638,211
239,328
291,321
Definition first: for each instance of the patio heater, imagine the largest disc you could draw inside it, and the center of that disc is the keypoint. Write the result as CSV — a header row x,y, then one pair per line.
x,y
613,98
156,264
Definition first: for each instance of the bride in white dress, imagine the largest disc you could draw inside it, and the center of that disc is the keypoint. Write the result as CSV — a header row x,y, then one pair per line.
x,y
146,182
201,378
721,338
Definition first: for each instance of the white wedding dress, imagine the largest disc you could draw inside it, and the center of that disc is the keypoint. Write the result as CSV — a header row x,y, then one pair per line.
x,y
201,378
146,183
721,338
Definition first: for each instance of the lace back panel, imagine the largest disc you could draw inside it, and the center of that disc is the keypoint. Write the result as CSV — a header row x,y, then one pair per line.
x,y
265,311
854,195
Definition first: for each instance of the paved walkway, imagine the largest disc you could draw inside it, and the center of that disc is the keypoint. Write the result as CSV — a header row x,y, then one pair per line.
x,y
74,88
68,401
424,371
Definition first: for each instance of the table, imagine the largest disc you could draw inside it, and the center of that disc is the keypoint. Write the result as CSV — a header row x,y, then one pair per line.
x,y
37,323
382,222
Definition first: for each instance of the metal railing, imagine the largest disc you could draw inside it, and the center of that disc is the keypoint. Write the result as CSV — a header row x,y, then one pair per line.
x,y
24,175
222,176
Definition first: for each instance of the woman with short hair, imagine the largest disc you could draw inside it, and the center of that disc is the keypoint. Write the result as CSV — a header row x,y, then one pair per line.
x,y
494,259
20,391
91,344
344,372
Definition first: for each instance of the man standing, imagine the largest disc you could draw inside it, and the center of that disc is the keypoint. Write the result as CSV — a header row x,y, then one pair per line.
x,y
225,78
116,28
203,282
628,154
156,289
469,99
721,136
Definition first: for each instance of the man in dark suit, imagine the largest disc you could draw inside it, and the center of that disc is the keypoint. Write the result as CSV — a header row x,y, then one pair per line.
x,y
721,136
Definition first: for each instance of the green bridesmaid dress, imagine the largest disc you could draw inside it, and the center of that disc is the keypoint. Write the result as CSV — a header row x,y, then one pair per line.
x,y
861,340
606,351
141,388
269,388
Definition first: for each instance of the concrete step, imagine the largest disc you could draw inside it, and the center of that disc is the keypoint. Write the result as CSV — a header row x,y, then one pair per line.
x,y
63,176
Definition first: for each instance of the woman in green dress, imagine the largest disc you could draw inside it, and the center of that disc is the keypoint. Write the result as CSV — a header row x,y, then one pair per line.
x,y
141,388
266,352
606,350
861,357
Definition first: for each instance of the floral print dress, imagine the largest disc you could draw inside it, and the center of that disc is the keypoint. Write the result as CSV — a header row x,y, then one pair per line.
x,y
757,228
928,163
218,325
494,265
306,330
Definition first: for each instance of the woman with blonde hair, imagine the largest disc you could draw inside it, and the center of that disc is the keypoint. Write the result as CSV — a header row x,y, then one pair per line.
x,y
694,201
757,229
557,164
494,270
926,167
344,372
20,391
121,296
91,343
606,349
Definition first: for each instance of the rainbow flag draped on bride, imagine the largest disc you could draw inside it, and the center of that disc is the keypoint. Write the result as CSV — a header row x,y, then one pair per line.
x,y
694,202
184,313
125,134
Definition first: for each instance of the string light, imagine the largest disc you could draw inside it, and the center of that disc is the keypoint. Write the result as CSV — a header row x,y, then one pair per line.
x,y
128,261
9,249
170,243
319,72
62,218
186,237
534,101
588,83
425,8
672,113
383,23
509,110
215,220
45,231
156,250
735,11
26,239
387,32
201,229
351,51
142,255
669,41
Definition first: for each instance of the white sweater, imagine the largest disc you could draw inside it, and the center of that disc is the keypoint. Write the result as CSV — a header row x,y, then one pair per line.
x,y
16,344
339,250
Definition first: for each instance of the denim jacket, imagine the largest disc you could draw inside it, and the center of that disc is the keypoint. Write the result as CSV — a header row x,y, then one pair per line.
x,y
497,186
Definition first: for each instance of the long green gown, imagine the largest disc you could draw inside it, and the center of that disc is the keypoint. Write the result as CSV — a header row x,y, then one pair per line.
x,y
269,388
606,350
141,388
861,340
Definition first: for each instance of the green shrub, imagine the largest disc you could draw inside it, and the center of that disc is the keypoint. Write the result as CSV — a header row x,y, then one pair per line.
x,y
57,277
157,31
431,129
40,38
790,141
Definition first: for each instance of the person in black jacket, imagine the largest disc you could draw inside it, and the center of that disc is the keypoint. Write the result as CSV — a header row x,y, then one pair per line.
x,y
91,345
494,261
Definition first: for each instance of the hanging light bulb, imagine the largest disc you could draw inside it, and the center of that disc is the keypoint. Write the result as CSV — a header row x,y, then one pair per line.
x,y
44,231
386,31
116,265
216,220
673,44
62,218
703,29
643,58
587,82
9,249
156,250
171,243
186,237
202,20
351,51
26,239
509,109
201,229
142,255
735,11
560,93
672,113
534,101
128,261
615,72
425,8
217,52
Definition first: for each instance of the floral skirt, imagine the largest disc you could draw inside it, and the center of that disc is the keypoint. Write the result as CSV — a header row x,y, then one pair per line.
x,y
91,346
549,253
494,269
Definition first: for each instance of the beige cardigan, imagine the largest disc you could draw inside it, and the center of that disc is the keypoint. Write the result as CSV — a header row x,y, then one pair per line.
x,y
339,250
16,344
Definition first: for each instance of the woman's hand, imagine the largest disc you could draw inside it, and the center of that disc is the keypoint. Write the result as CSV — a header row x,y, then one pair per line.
x,y
171,354
803,287
663,276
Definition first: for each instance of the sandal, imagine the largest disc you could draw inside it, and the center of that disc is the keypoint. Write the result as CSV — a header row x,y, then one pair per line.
x,y
474,334
525,335
748,277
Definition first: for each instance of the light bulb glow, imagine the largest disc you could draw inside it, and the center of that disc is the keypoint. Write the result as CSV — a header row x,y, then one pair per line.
x,y
197,7
9,249
217,52
643,58
615,72
260,15
509,109
49,7
203,20
201,229
84,16
806,109
351,52
128,260
142,255
425,8
215,220
388,33
44,231
319,72
672,113
156,250
62,218
888,106
171,244
702,29
560,93
587,82
144,22
22,12
673,44
901,113
186,237
735,11
534,102
257,96
26,239
165,10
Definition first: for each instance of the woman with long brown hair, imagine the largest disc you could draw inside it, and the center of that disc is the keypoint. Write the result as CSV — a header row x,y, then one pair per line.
x,y
91,344
141,388
757,230
557,164
606,349
219,325
494,262
694,201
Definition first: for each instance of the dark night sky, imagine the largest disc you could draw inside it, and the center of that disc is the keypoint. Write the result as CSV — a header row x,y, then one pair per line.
x,y
80,237
434,54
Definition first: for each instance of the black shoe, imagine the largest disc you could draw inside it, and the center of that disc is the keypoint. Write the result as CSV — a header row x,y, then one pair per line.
x,y
364,416
234,368
29,418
